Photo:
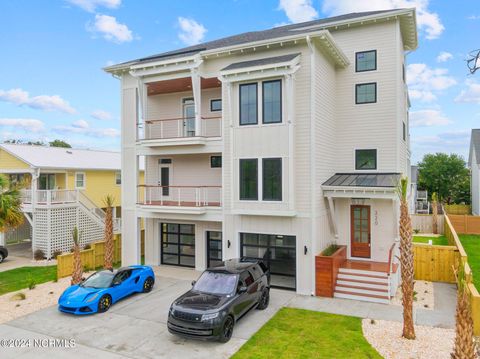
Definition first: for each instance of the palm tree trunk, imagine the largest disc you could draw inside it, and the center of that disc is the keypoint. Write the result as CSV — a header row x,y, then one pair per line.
x,y
108,239
464,344
77,265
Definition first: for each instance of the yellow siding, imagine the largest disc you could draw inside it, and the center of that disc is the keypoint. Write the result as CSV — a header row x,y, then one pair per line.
x,y
7,161
60,181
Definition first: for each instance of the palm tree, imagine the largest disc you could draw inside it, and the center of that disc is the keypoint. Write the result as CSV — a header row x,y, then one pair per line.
x,y
108,201
11,215
464,347
406,261
77,261
434,213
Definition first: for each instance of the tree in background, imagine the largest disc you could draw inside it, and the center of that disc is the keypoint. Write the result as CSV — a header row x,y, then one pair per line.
x,y
108,201
434,213
59,143
447,175
406,260
77,260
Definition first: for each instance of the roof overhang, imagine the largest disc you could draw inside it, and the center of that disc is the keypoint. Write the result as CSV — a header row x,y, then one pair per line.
x,y
359,192
177,66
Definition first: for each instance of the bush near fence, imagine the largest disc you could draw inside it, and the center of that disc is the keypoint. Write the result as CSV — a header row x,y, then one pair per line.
x,y
91,258
458,209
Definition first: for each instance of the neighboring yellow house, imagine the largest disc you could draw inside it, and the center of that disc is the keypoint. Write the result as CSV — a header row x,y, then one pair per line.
x,y
60,185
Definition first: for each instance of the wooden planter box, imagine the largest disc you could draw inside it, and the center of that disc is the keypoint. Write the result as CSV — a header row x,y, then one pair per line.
x,y
326,270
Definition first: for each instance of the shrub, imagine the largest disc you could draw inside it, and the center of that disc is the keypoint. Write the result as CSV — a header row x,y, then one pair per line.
x,y
56,254
31,282
416,231
18,296
332,248
87,246
38,255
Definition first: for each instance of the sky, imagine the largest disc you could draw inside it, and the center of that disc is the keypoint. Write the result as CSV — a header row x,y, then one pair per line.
x,y
52,52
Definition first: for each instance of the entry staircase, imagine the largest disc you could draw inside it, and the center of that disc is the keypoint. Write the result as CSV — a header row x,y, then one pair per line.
x,y
54,213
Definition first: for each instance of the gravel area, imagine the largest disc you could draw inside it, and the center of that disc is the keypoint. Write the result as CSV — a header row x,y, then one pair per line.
x,y
385,337
424,295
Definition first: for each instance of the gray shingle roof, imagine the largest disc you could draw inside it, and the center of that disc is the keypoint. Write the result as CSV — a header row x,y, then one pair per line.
x,y
387,180
259,62
475,145
253,36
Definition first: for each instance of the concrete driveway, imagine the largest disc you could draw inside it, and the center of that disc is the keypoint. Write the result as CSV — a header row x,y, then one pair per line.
x,y
20,255
133,328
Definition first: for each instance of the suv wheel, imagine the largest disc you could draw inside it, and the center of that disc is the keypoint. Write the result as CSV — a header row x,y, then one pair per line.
x,y
1,257
264,299
227,329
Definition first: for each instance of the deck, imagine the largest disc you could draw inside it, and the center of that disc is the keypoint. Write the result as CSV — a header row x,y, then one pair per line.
x,y
180,204
369,266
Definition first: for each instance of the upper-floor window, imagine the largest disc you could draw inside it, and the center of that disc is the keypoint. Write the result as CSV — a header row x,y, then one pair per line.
x,y
215,105
366,159
249,179
79,180
118,178
216,161
366,61
366,93
272,101
272,179
404,131
248,104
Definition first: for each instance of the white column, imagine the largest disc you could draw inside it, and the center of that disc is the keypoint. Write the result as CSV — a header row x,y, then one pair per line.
x,y
197,97
129,161
290,112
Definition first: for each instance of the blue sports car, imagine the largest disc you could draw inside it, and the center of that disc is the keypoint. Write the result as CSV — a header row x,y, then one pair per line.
x,y
103,288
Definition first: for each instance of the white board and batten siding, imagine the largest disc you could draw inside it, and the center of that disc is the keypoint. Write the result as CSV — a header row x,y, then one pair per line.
x,y
424,223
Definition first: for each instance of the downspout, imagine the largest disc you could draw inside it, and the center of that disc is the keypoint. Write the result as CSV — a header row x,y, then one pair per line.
x,y
313,230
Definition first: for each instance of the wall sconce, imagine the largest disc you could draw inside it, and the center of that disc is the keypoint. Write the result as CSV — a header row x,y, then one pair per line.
x,y
228,243
305,250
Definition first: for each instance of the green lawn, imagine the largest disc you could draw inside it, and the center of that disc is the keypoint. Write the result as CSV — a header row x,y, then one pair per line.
x,y
298,333
471,244
20,278
439,241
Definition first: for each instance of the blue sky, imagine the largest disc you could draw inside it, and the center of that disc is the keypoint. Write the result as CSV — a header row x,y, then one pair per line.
x,y
52,53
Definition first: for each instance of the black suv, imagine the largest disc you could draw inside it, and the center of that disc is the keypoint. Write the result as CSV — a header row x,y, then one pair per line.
x,y
220,297
3,253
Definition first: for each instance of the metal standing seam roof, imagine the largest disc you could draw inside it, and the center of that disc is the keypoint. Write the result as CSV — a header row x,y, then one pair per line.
x,y
384,180
260,62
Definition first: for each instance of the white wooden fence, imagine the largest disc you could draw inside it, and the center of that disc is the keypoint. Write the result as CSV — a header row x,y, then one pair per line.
x,y
423,222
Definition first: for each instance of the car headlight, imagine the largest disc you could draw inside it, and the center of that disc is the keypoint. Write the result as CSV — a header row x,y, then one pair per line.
x,y
210,316
92,298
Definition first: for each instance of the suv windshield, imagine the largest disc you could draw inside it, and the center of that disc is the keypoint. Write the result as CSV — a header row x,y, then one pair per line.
x,y
99,280
216,283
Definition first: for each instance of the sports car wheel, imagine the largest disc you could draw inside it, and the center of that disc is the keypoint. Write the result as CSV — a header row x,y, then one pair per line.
x,y
104,303
264,300
227,329
148,285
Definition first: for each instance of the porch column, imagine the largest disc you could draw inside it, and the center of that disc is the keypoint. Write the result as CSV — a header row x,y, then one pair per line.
x,y
197,97
331,206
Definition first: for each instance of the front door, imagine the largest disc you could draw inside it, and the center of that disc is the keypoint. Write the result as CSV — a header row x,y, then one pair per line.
x,y
214,248
188,118
360,231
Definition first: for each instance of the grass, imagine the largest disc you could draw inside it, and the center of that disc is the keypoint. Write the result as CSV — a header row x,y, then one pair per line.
x,y
298,333
20,278
438,241
471,244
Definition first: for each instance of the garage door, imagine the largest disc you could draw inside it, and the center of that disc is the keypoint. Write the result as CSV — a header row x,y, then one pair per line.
x,y
278,252
178,244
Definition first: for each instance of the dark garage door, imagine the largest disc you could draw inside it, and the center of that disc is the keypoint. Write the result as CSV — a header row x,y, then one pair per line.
x,y
278,252
178,244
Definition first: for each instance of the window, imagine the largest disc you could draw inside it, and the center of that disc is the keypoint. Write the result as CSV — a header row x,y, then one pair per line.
x,y
272,101
272,179
366,159
79,180
246,279
165,161
366,61
118,178
404,131
215,105
215,161
366,93
248,104
249,179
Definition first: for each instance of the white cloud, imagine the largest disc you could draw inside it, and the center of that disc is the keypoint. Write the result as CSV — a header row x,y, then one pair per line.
x,y
471,94
444,56
473,17
427,21
191,32
82,127
298,10
111,29
427,118
26,124
101,115
91,5
43,102
424,82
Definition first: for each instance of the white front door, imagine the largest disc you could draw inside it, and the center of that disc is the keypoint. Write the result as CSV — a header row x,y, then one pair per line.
x,y
188,117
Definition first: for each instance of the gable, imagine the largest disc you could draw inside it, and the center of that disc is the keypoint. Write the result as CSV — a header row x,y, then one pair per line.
x,y
8,161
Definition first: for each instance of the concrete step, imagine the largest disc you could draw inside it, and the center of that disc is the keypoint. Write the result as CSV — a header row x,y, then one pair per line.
x,y
364,285
363,272
362,297
357,277
361,290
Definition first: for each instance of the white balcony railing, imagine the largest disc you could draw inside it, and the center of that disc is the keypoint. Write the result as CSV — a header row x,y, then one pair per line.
x,y
181,196
182,127
48,197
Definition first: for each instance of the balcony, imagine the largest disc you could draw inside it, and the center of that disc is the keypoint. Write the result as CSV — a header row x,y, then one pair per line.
x,y
179,199
48,197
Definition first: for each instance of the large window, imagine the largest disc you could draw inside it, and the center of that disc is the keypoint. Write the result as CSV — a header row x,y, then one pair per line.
x,y
178,244
248,104
366,61
366,159
79,180
249,179
272,101
272,179
366,93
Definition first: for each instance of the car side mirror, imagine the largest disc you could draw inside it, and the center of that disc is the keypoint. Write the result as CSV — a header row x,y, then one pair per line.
x,y
114,284
242,289
193,282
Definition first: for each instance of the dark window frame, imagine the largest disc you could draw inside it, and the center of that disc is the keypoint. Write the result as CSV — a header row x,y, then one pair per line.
x,y
243,198
376,159
240,104
404,131
356,93
215,100
263,102
178,233
211,161
281,179
364,52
